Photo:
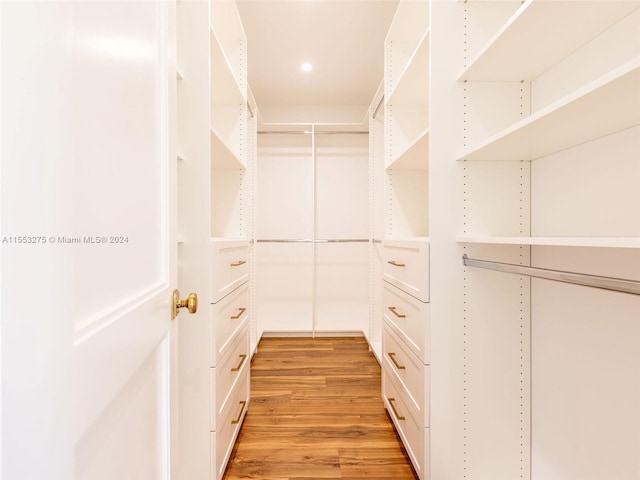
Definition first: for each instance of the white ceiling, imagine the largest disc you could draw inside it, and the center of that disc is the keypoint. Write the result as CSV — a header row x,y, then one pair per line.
x,y
343,39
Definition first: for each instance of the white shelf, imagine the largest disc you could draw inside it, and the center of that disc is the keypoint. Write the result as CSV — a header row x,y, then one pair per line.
x,y
405,126
404,39
607,105
225,21
225,90
223,155
412,85
415,157
604,242
540,34
179,74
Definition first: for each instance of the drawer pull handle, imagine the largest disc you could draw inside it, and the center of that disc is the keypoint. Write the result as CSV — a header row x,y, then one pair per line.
x,y
392,356
237,420
238,263
243,357
395,264
399,315
393,407
241,310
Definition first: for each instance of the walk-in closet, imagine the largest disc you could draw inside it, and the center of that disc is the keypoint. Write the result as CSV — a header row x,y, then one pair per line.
x,y
459,224
447,192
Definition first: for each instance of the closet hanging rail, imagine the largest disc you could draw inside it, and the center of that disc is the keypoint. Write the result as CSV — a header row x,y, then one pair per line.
x,y
375,112
309,132
320,240
606,283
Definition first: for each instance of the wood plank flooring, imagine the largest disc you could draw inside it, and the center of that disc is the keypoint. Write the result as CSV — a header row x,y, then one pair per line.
x,y
316,413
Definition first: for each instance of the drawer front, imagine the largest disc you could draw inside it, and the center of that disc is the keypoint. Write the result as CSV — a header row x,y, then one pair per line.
x,y
228,316
405,418
406,265
412,374
231,369
410,319
230,267
227,431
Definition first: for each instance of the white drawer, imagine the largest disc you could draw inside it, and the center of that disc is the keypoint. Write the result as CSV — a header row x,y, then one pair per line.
x,y
230,371
230,267
409,370
410,319
406,420
225,436
406,265
228,316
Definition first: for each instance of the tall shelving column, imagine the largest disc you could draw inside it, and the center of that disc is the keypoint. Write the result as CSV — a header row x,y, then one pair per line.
x,y
215,181
535,140
406,293
377,223
231,189
252,161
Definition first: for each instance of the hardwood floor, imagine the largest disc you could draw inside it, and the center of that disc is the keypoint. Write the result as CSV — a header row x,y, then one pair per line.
x,y
316,413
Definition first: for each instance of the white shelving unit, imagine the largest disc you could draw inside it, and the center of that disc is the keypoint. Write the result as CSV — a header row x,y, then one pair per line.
x,y
403,260
407,88
600,242
377,219
406,117
215,132
250,213
534,141
535,38
408,34
606,105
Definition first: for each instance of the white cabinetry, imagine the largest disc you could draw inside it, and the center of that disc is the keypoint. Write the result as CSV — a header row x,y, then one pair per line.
x,y
215,132
534,148
405,249
406,265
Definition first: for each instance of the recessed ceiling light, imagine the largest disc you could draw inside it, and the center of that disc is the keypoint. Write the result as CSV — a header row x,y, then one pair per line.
x,y
306,67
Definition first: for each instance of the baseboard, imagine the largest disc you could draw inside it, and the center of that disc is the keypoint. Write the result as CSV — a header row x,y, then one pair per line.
x,y
307,334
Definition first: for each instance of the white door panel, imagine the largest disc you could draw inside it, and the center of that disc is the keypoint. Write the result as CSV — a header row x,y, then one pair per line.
x,y
101,453
88,244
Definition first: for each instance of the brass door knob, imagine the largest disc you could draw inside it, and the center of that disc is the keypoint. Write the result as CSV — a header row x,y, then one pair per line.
x,y
190,303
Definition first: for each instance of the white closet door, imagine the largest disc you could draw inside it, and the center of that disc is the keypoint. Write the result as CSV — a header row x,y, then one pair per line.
x,y
342,213
88,251
284,211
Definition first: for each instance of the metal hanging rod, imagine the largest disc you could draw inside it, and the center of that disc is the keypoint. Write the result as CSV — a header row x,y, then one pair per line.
x,y
606,283
310,240
375,112
309,132
250,109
